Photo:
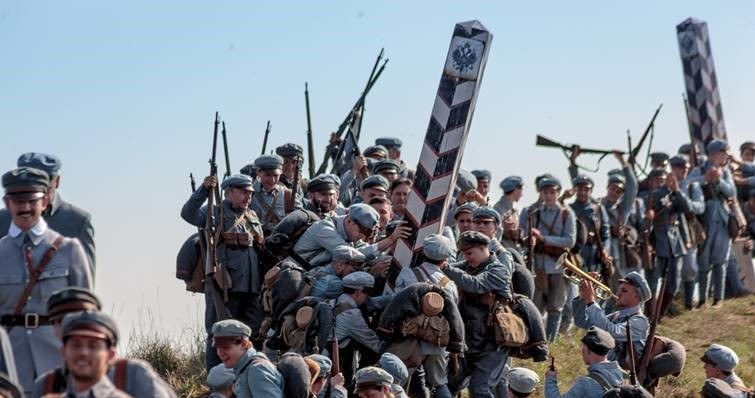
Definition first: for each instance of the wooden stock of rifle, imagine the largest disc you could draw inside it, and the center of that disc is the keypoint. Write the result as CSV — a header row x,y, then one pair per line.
x,y
650,341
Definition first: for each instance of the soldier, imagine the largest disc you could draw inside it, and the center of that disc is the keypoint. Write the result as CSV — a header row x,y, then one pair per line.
x,y
237,250
717,388
271,200
513,188
553,230
399,195
372,382
357,227
621,194
747,152
718,187
393,145
63,217
388,169
483,183
292,155
372,186
220,381
132,376
36,262
382,205
602,373
463,219
396,368
632,293
481,280
437,250
522,382
327,279
719,363
360,169
352,331
322,191
89,340
327,386
256,376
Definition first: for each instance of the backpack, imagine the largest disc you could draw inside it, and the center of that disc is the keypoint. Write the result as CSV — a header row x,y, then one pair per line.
x,y
287,232
282,285
190,264
309,337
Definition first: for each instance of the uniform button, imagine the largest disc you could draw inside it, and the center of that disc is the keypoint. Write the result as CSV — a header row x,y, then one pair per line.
x,y
28,331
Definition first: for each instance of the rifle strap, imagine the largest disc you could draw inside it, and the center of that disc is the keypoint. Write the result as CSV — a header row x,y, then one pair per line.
x,y
54,382
288,200
600,380
564,215
35,273
341,307
121,374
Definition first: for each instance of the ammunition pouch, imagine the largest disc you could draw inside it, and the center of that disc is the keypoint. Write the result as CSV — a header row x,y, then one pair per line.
x,y
697,233
237,240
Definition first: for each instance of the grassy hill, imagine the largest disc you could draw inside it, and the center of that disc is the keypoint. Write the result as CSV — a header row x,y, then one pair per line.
x,y
732,325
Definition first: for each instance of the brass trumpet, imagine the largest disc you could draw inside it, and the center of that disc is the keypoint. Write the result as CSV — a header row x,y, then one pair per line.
x,y
575,275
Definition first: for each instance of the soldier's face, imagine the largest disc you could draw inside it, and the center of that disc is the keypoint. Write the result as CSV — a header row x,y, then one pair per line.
x,y
517,193
375,392
748,155
712,371
269,178
325,200
86,358
229,352
614,192
26,213
289,166
476,255
394,154
399,197
680,172
389,175
370,193
486,226
464,222
720,158
628,296
583,192
483,186
240,198
549,195
385,212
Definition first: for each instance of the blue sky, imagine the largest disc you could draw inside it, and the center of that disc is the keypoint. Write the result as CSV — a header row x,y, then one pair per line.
x,y
124,93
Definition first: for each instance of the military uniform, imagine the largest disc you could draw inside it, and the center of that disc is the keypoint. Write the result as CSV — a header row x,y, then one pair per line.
x,y
726,360
237,251
619,215
219,378
325,281
394,144
63,217
323,183
372,378
270,205
35,346
506,207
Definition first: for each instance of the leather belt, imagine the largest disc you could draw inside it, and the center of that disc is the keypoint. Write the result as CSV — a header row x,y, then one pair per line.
x,y
29,321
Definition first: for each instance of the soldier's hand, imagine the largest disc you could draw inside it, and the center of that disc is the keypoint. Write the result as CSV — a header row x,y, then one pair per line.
x,y
380,268
334,138
337,380
748,245
401,232
536,235
672,183
575,151
358,163
619,156
210,182
586,292
568,193
713,174
552,373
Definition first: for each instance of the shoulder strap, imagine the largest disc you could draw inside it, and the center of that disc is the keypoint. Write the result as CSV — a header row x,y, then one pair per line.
x,y
340,308
418,274
121,374
54,382
600,380
288,200
34,277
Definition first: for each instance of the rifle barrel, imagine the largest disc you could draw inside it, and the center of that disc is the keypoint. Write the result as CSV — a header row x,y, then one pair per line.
x,y
310,144
225,153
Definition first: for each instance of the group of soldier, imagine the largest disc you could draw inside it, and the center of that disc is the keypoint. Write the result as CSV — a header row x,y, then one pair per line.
x,y
304,297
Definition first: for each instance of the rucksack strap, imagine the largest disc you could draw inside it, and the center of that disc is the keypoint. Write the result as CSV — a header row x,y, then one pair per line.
x,y
121,374
54,382
600,380
341,307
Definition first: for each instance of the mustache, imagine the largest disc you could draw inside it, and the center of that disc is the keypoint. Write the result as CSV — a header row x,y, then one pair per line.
x,y
24,213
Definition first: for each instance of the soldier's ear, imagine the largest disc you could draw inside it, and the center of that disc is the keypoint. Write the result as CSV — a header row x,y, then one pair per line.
x,y
56,182
111,354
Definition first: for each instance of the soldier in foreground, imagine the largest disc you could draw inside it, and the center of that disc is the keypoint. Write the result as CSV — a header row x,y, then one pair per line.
x,y
719,362
522,382
220,380
372,382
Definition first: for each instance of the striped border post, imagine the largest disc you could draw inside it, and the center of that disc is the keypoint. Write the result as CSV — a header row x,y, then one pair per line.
x,y
706,117
446,134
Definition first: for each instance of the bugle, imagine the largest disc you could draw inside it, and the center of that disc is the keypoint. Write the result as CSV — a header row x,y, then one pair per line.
x,y
576,275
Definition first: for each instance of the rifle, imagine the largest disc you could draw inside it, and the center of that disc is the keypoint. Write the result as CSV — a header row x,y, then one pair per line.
x,y
608,266
352,141
650,341
289,206
530,243
553,364
693,148
636,150
310,144
193,183
214,283
225,152
547,142
267,134
630,353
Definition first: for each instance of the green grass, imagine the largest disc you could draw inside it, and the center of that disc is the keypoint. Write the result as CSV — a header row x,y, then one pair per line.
x,y
733,325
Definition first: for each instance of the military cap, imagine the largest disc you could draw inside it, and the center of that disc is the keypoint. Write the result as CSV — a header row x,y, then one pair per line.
x,y
582,180
717,388
659,157
268,162
219,377
48,163
248,170
678,161
685,149
540,177
358,280
26,183
487,212
465,208
376,150
482,174
241,181
437,247
549,182
323,182
638,281
372,377
523,380
230,328
598,340
747,145
657,172
324,362
511,183
627,392
716,145
386,165
10,387
374,181
395,367
364,215
389,142
95,324
466,181
617,179
469,239
71,299
722,357
290,149
348,253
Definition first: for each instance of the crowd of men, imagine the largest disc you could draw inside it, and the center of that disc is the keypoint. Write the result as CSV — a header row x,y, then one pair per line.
x,y
304,297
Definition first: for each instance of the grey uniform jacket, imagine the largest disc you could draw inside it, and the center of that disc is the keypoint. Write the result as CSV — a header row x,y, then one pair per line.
x,y
242,264
270,206
67,220
669,208
103,389
716,248
351,325
37,350
585,386
556,229
257,377
614,323
319,240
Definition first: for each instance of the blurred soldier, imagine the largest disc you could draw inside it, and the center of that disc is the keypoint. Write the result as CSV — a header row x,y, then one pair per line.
x,y
463,220
399,195
327,386
554,232
61,216
633,291
719,363
271,198
513,188
717,388
482,280
393,145
396,368
602,373
373,382
89,340
220,381
437,249
292,155
36,262
350,179
522,382
327,279
718,187
627,392
372,186
618,203
483,183
256,376
388,169
241,239
382,205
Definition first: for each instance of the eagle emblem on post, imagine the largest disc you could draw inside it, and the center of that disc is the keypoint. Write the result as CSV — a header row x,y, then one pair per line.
x,y
464,57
